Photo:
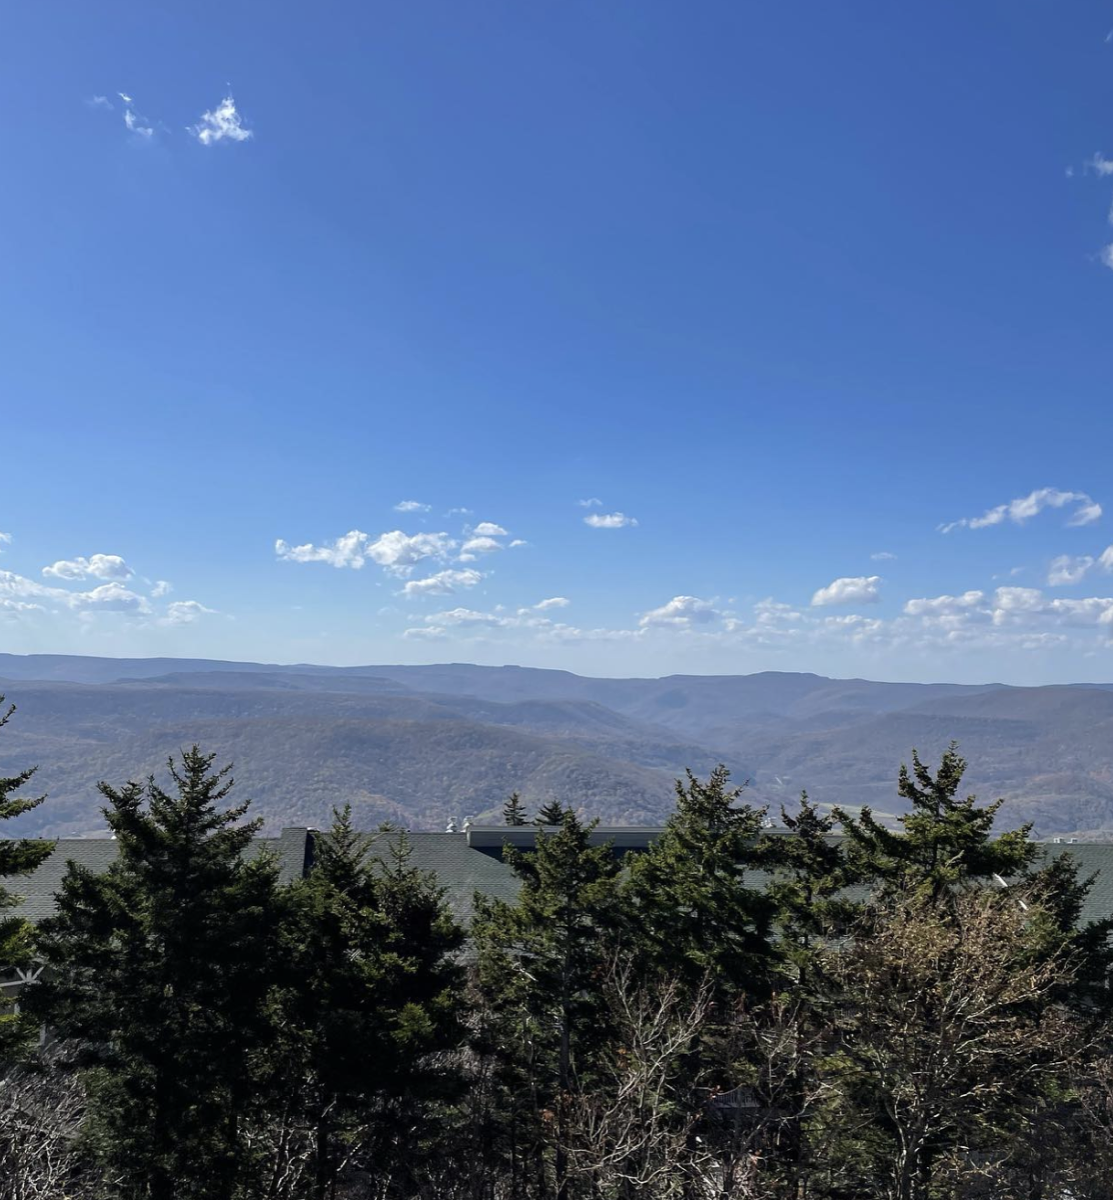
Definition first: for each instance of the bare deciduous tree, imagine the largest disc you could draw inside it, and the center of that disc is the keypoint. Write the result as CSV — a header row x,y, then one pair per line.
x,y
948,1030
41,1110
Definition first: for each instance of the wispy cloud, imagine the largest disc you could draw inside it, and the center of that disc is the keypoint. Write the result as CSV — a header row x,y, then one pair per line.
x,y
444,583
412,506
1067,569
161,588
100,102
1099,164
614,520
135,124
478,545
222,123
552,602
1024,508
856,589
882,556
489,529
185,612
5,539
590,502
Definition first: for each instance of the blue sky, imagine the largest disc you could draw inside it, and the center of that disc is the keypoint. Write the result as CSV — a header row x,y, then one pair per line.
x,y
789,287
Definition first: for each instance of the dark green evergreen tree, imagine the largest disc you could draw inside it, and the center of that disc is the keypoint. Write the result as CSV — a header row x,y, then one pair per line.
x,y
807,882
514,811
703,914
371,1004
17,857
158,969
943,842
807,885
551,813
541,963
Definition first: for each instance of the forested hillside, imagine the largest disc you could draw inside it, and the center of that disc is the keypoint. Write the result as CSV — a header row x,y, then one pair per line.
x,y
421,745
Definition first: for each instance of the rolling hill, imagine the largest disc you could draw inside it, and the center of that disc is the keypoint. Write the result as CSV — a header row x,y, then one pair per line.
x,y
419,745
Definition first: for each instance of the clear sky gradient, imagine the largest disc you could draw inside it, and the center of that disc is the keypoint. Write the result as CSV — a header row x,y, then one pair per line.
x,y
780,291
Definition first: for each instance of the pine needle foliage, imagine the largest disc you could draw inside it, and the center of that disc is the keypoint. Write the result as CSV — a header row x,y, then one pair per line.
x,y
371,998
158,969
17,857
944,840
514,811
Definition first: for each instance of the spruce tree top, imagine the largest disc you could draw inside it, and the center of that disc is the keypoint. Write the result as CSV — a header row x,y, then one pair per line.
x,y
551,813
514,811
944,840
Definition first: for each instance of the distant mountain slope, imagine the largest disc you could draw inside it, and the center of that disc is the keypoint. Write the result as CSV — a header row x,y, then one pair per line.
x,y
418,744
299,750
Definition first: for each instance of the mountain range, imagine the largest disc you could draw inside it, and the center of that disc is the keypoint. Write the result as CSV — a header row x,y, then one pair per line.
x,y
422,745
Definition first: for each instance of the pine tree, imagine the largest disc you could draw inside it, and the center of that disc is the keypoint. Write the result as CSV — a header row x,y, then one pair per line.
x,y
158,969
373,993
541,963
551,813
807,885
943,842
701,915
514,811
16,858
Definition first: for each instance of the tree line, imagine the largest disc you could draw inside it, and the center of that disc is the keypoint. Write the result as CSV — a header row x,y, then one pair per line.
x,y
900,1014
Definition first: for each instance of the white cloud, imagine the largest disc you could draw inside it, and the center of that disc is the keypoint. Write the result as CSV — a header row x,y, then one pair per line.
x,y
346,551
412,506
444,583
478,545
161,588
223,122
428,633
1099,164
19,606
857,589
517,542
466,616
100,102
943,605
137,125
1105,559
109,597
1067,569
396,552
185,612
1106,256
1025,507
489,529
615,520
458,512
97,566
552,602
681,612
882,556
5,539
590,502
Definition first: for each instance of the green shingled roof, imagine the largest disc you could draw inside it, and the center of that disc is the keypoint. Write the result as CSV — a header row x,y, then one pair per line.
x,y
37,890
461,869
